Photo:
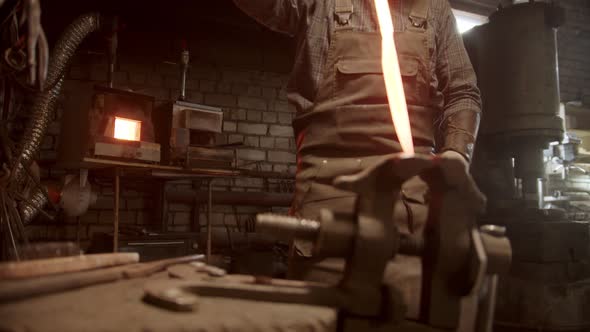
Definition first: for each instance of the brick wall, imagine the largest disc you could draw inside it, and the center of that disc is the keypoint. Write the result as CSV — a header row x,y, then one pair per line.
x,y
242,73
574,51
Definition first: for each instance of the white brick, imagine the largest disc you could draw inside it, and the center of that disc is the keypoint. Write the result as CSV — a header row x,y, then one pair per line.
x,y
281,106
224,87
285,118
282,131
208,73
254,116
229,126
281,157
237,76
254,91
280,168
220,100
265,167
240,89
191,84
282,143
252,128
269,117
252,141
235,139
238,114
252,103
250,154
249,182
267,142
269,93
207,86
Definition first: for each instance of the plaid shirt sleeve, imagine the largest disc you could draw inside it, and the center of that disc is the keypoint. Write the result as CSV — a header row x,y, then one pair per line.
x,y
458,84
278,15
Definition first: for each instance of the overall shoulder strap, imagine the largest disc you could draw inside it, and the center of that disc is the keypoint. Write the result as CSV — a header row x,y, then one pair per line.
x,y
343,11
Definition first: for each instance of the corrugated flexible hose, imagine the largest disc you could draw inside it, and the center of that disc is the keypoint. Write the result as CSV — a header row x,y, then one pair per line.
x,y
44,105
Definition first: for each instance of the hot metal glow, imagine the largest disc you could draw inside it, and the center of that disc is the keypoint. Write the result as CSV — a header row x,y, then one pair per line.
x,y
393,79
126,129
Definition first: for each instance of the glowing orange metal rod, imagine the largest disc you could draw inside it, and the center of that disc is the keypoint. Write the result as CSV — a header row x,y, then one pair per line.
x,y
393,79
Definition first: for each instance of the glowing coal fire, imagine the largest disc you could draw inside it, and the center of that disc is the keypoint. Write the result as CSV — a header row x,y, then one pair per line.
x,y
393,79
127,129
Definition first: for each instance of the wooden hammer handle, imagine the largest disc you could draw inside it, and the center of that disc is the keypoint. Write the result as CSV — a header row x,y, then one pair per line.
x,y
45,267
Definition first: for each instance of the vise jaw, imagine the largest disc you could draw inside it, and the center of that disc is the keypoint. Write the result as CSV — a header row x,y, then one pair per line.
x,y
456,256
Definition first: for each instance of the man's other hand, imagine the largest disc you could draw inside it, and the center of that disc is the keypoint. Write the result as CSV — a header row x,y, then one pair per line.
x,y
450,154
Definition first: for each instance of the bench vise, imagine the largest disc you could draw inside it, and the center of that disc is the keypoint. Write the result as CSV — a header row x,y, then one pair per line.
x,y
458,258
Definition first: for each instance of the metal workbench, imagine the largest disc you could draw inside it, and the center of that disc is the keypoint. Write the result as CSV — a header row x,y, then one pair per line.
x,y
163,173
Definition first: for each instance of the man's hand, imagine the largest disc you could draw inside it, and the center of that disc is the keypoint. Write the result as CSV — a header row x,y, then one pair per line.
x,y
451,174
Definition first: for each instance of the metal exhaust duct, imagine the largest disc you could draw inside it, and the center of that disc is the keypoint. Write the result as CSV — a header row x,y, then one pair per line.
x,y
45,101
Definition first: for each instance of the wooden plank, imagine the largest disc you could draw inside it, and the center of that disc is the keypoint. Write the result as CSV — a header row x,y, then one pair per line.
x,y
45,267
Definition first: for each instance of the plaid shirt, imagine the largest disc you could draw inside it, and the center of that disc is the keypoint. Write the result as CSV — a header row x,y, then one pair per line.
x,y
310,22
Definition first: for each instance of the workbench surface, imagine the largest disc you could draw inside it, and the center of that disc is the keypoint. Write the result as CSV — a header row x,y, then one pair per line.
x,y
118,306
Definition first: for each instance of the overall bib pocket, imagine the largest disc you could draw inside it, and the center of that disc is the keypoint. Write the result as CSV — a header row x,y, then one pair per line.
x,y
361,82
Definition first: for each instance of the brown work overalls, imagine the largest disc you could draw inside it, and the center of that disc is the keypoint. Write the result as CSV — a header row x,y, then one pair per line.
x,y
350,125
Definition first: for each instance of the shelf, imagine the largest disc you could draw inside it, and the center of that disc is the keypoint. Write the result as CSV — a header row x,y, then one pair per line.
x,y
169,172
